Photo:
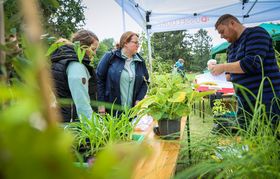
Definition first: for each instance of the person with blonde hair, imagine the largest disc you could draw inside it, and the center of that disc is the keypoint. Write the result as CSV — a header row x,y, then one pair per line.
x,y
75,80
122,74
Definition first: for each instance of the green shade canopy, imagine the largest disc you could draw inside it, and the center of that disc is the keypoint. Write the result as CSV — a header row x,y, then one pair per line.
x,y
272,29
221,48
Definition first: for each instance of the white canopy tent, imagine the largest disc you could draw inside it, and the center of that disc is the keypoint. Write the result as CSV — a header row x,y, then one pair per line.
x,y
169,15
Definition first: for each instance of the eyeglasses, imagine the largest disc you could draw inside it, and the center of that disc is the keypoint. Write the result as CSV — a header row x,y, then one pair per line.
x,y
135,42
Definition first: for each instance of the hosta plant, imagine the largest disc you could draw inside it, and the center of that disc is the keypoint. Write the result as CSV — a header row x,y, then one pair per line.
x,y
171,98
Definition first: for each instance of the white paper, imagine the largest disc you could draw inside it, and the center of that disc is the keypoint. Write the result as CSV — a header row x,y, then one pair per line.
x,y
220,80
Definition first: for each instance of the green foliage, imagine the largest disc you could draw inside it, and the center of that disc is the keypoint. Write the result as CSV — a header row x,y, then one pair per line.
x,y
53,47
252,153
219,108
249,156
169,98
29,147
277,55
80,51
144,46
104,46
101,130
171,45
33,147
118,161
201,50
66,19
60,17
221,58
109,43
27,152
161,66
102,49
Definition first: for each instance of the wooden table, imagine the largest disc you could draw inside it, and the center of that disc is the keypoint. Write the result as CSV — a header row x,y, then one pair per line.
x,y
161,163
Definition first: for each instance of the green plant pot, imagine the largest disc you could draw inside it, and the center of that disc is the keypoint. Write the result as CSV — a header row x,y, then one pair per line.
x,y
169,129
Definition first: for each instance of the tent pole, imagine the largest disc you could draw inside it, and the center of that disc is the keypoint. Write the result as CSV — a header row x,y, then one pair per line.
x,y
149,50
123,16
148,28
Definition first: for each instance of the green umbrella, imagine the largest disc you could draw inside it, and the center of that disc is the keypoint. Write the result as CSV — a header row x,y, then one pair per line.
x,y
221,48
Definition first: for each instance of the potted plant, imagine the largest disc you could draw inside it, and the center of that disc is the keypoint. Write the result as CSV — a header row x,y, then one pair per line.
x,y
169,100
224,119
92,135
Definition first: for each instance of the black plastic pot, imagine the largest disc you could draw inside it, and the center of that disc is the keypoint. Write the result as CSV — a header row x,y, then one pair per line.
x,y
169,129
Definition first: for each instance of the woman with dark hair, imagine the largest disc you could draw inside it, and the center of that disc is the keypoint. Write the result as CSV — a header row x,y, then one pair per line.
x,y
122,74
73,79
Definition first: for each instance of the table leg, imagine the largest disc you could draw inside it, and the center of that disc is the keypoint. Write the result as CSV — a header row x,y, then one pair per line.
x,y
189,139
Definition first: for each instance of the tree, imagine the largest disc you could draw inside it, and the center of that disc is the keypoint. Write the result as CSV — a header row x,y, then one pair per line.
x,y
60,17
109,43
169,46
201,50
104,46
66,19
144,48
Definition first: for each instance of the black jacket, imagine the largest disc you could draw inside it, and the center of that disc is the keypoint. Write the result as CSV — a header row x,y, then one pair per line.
x,y
60,60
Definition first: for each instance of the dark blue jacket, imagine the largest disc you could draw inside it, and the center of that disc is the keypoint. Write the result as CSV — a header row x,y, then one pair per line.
x,y
108,78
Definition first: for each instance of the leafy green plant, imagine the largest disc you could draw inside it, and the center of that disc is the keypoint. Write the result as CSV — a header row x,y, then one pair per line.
x,y
255,155
31,144
80,51
277,55
94,134
53,47
219,108
169,98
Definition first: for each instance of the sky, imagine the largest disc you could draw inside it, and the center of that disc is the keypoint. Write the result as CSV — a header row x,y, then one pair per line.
x,y
104,17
